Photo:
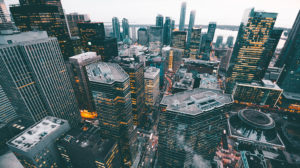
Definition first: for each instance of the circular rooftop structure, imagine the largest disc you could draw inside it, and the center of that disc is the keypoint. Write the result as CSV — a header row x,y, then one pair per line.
x,y
256,119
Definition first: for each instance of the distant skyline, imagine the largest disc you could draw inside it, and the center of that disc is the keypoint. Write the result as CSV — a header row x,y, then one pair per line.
x,y
224,12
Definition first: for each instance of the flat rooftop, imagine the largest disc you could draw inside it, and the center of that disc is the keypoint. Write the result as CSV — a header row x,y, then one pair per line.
x,y
196,101
83,57
90,140
106,72
151,72
22,37
267,84
186,82
253,160
209,81
36,133
292,96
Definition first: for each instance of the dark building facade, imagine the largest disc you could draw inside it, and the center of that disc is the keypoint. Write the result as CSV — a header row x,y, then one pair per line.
x,y
219,42
252,41
110,88
37,84
159,20
142,36
194,47
191,123
116,28
125,27
289,59
229,41
86,148
73,19
44,16
178,39
167,31
191,25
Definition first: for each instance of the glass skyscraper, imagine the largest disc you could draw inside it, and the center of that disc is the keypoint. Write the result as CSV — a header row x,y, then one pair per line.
x,y
73,19
7,112
191,25
159,20
125,27
250,48
116,28
44,16
178,39
289,79
142,36
182,16
35,78
167,31
194,48
110,88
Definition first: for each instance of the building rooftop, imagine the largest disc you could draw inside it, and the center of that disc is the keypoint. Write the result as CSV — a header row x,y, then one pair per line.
x,y
22,37
106,72
185,82
196,101
151,72
262,84
36,133
256,127
84,57
292,96
209,81
89,139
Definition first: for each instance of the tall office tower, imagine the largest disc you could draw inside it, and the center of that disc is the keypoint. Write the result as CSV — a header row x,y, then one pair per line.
x,y
273,40
225,62
250,48
159,20
88,32
93,39
79,81
151,80
155,34
142,36
219,42
173,58
125,27
167,31
229,41
289,79
133,34
35,147
44,16
191,25
211,30
172,26
110,88
116,28
73,19
135,70
85,147
191,124
37,84
195,39
178,39
7,112
5,20
182,16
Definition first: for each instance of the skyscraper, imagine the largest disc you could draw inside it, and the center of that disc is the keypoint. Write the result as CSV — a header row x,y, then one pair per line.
x,y
5,20
44,16
211,30
159,20
151,80
229,41
116,28
125,27
182,16
142,36
289,79
172,26
155,34
110,88
219,42
206,41
135,70
194,47
7,112
73,19
34,76
191,124
167,31
191,25
178,39
250,48
35,146
79,81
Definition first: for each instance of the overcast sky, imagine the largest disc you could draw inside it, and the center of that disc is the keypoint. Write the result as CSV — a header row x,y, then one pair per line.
x,y
223,12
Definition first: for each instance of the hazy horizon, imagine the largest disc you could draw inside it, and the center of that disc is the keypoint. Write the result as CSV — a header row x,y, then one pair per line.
x,y
224,12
